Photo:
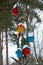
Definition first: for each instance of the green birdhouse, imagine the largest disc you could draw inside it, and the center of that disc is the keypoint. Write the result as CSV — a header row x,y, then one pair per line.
x,y
23,42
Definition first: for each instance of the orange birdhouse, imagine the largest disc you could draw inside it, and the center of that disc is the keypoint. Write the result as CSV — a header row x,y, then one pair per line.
x,y
20,28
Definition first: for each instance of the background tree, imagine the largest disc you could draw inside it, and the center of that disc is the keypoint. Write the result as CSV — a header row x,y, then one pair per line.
x,y
31,12
5,23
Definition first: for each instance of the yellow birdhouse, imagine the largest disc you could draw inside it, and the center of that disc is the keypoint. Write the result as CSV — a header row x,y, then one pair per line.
x,y
20,28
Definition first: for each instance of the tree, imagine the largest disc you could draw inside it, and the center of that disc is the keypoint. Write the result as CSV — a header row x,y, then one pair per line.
x,y
6,12
6,22
32,4
0,50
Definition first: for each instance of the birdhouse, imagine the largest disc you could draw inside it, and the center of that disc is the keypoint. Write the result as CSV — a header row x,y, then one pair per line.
x,y
20,28
15,10
30,37
26,50
19,53
23,42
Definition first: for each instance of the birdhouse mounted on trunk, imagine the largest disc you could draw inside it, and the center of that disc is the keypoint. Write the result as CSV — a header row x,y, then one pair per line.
x,y
30,37
23,42
19,53
20,28
15,10
26,50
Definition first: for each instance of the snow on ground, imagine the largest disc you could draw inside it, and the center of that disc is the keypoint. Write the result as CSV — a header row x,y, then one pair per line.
x,y
11,53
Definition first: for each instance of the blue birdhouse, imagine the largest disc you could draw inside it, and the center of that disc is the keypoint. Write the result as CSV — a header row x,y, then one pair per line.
x,y
19,53
31,39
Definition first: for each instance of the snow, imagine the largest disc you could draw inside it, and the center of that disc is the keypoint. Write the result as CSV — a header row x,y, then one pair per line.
x,y
30,34
15,6
20,24
26,46
19,49
11,53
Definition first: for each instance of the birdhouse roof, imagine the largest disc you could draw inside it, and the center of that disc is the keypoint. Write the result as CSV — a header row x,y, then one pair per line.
x,y
26,51
21,24
19,49
15,6
25,46
30,34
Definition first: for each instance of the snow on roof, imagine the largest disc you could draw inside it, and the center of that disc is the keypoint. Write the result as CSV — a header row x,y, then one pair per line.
x,y
30,34
26,46
20,24
15,6
19,48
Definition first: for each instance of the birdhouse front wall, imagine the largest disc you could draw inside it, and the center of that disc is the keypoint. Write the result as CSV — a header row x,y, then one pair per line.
x,y
15,11
23,42
20,28
31,39
19,53
26,51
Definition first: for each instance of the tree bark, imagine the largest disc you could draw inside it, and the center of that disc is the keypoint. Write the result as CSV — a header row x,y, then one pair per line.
x,y
26,18
34,48
6,47
1,63
2,38
2,43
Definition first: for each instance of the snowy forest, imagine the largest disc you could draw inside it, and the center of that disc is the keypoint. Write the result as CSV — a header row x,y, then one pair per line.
x,y
21,32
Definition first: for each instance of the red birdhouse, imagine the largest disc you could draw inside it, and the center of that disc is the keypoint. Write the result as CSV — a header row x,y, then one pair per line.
x,y
15,10
26,51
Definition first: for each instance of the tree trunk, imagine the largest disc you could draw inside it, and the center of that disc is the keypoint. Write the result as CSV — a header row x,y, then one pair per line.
x,y
34,49
6,47
26,18
18,41
1,63
2,43
2,38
